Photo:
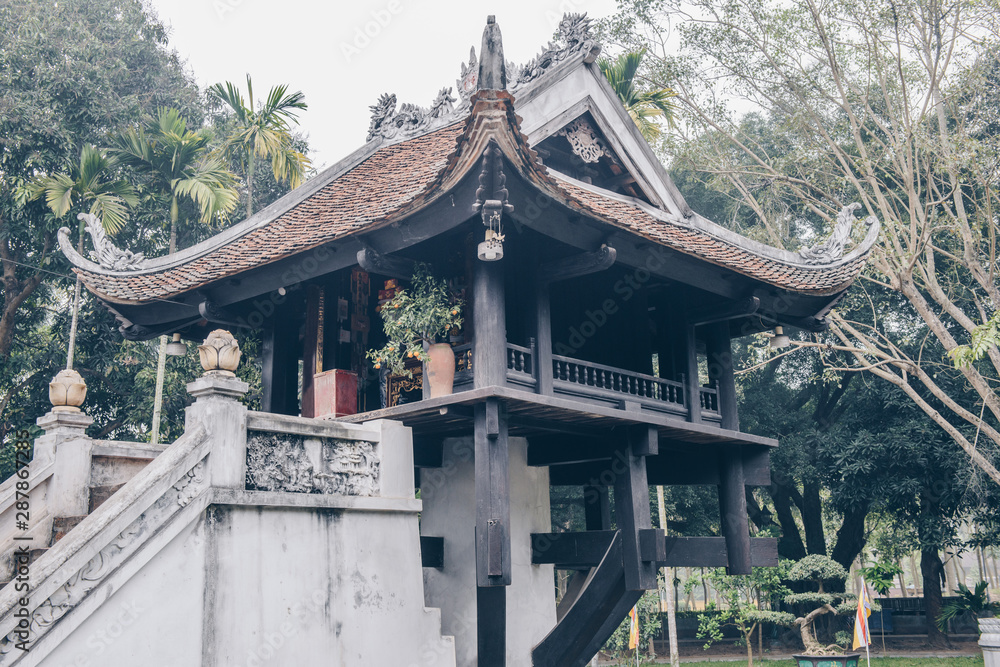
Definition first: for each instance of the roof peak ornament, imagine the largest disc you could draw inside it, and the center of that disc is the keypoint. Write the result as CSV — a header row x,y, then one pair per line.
x,y
832,249
106,253
574,38
492,67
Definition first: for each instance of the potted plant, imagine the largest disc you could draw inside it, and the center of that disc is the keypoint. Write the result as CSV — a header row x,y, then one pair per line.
x,y
814,571
416,323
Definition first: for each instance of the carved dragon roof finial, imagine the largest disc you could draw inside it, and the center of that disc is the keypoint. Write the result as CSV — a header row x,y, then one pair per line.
x,y
833,248
492,66
106,253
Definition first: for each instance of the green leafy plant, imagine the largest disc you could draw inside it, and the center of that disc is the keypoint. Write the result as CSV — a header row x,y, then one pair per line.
x,y
975,603
880,575
746,605
424,313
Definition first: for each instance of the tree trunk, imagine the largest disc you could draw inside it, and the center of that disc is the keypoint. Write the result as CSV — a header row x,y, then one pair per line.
x,y
902,578
250,169
790,544
932,571
850,536
812,518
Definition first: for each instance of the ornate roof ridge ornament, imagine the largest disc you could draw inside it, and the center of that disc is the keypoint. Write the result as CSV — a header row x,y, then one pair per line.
x,y
106,253
832,249
574,37
411,120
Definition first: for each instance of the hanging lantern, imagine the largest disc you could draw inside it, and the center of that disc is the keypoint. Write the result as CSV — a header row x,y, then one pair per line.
x,y
176,348
779,339
491,249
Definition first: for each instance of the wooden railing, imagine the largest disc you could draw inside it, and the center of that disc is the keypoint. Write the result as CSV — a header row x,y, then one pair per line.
x,y
583,377
521,364
709,399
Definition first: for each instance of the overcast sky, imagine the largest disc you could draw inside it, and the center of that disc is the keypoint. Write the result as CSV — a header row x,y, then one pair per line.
x,y
343,55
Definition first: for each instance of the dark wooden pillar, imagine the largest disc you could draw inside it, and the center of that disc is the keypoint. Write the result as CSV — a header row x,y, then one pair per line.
x,y
720,369
543,337
732,482
312,351
280,364
489,359
632,506
693,389
493,565
596,507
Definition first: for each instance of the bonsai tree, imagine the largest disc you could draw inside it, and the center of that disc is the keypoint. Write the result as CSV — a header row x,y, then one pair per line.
x,y
815,570
746,599
422,314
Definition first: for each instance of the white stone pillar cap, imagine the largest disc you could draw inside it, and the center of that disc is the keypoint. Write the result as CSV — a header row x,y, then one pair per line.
x,y
217,384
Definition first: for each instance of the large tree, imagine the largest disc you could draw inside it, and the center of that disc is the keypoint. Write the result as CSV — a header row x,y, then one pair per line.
x,y
881,103
69,72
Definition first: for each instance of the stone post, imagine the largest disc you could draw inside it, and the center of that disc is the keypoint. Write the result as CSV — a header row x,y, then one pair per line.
x,y
217,408
66,443
989,641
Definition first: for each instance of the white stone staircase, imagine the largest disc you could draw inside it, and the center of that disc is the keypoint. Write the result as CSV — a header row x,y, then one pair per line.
x,y
302,550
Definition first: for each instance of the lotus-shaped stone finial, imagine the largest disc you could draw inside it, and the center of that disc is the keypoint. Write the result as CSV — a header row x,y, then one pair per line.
x,y
220,354
67,391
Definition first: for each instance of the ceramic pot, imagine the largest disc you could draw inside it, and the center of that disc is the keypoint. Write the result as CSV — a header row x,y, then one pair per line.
x,y
846,660
989,641
440,369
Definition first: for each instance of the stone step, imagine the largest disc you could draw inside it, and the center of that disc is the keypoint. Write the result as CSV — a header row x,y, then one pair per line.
x,y
98,494
63,524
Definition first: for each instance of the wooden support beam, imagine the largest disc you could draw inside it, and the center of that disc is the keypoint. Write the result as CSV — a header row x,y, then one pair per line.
x,y
692,389
712,552
733,511
669,468
428,451
493,566
730,310
560,449
491,626
632,512
373,261
543,337
432,552
597,507
279,364
570,551
719,351
312,352
581,550
575,266
489,349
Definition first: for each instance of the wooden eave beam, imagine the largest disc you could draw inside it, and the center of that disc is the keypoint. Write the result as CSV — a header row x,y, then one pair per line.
x,y
723,312
578,265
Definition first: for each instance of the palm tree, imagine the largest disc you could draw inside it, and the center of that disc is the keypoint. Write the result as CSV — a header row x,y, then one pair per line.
x,y
179,164
643,106
264,133
86,182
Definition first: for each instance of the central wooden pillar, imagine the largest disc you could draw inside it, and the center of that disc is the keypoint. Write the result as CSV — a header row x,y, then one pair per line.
x,y
489,369
280,363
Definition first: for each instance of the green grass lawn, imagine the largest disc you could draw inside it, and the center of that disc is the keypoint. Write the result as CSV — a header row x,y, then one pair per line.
x,y
876,662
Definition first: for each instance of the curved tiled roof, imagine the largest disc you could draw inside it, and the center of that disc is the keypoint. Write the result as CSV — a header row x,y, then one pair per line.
x,y
391,182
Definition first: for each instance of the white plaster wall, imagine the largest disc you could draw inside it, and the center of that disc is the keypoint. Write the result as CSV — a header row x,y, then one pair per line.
x,y
155,618
448,495
318,586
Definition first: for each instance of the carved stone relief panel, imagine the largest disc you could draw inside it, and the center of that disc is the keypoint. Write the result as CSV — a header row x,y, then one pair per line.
x,y
303,464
